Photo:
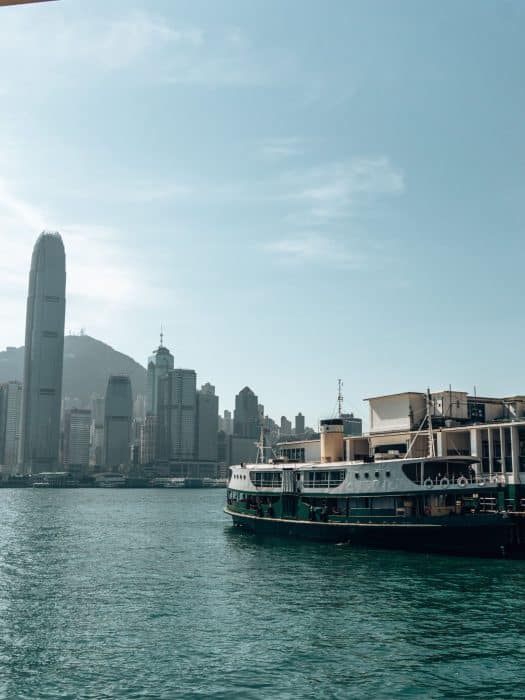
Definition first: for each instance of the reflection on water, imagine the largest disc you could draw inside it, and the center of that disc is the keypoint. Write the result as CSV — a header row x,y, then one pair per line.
x,y
128,594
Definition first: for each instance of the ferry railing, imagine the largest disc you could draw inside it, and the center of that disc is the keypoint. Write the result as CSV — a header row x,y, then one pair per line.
x,y
463,481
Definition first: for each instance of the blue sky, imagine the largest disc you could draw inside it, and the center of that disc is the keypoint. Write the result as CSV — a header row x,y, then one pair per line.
x,y
298,191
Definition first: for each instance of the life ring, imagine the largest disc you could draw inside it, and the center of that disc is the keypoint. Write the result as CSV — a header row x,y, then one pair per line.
x,y
444,482
428,482
462,481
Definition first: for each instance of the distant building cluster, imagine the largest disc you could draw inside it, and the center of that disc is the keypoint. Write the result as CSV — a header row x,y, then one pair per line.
x,y
175,430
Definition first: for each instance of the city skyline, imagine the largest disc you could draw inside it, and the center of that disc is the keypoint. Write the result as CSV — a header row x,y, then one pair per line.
x,y
374,189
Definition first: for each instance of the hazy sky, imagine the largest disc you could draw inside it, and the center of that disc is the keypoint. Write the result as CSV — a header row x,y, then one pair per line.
x,y
298,191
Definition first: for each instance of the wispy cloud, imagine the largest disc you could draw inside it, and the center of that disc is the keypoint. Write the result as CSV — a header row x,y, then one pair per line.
x,y
154,48
278,148
313,249
331,190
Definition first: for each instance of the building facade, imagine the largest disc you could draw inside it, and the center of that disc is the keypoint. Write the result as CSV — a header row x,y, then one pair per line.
x,y
118,416
159,364
44,353
10,407
246,421
207,423
77,430
177,413
96,444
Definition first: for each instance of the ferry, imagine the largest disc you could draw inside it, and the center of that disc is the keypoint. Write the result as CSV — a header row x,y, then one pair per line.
x,y
432,504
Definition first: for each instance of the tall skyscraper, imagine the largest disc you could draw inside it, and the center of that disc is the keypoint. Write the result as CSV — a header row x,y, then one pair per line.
x,y
118,415
44,354
226,422
207,423
177,425
96,448
246,421
286,426
77,427
299,424
159,364
10,405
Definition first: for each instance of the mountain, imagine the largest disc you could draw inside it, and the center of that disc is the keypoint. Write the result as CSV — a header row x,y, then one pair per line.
x,y
88,362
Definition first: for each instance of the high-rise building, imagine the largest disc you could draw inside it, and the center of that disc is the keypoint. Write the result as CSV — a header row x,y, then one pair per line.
x,y
118,415
299,424
177,412
44,353
286,426
96,450
159,364
148,440
10,405
226,422
77,428
246,422
207,423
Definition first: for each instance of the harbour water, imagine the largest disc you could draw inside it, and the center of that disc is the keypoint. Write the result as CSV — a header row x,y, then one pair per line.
x,y
152,594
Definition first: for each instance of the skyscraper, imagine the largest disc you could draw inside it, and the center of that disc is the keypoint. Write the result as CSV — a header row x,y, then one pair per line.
x,y
159,364
117,421
177,425
96,456
299,424
246,421
207,423
10,404
44,353
77,426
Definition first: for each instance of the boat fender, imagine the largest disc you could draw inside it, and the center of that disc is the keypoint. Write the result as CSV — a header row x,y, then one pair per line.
x,y
462,481
444,482
427,482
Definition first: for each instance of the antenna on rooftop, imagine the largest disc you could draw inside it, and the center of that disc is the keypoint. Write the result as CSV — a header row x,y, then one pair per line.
x,y
161,335
339,397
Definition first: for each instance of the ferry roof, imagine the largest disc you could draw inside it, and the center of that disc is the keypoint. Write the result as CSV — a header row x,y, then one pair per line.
x,y
326,466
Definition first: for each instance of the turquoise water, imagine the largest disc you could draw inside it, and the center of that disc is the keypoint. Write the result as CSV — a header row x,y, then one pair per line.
x,y
152,594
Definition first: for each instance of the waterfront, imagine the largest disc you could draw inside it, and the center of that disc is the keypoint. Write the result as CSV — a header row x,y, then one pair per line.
x,y
152,594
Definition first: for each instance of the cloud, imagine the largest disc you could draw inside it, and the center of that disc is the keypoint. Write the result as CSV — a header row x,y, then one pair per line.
x,y
277,148
331,190
155,49
312,248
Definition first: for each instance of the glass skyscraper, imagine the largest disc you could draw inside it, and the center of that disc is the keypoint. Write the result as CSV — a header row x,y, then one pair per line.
x,y
44,353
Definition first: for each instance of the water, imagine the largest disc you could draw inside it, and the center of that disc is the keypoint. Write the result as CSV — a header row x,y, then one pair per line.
x,y
152,594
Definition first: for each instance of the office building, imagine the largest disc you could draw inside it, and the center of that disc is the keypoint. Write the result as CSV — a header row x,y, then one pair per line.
x,y
44,351
118,415
246,421
96,449
299,425
77,429
10,405
159,364
177,412
286,426
207,423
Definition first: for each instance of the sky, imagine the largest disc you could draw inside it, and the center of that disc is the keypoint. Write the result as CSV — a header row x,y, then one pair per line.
x,y
296,191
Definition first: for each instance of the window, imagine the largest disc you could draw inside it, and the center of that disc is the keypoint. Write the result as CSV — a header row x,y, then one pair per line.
x,y
367,475
267,479
337,477
387,474
357,475
376,475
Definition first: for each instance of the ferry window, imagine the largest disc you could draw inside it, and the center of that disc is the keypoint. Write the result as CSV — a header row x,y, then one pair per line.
x,y
337,477
357,475
367,475
376,475
266,479
387,474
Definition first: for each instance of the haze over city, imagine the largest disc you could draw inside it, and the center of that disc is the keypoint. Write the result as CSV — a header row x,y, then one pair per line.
x,y
296,193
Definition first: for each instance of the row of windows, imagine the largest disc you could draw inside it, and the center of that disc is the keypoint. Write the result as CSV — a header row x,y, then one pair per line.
x,y
377,475
268,479
323,479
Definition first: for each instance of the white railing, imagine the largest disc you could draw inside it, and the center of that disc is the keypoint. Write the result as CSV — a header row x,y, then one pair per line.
x,y
464,481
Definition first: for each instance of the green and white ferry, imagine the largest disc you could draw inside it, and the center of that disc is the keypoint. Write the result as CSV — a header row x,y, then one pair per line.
x,y
430,504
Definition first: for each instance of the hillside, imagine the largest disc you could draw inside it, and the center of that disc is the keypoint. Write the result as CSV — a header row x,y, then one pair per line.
x,y
87,365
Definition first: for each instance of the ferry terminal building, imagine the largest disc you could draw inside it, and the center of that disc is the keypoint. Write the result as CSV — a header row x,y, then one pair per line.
x,y
492,429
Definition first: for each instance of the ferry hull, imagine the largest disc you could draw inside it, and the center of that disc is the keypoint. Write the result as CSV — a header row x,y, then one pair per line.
x,y
466,536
